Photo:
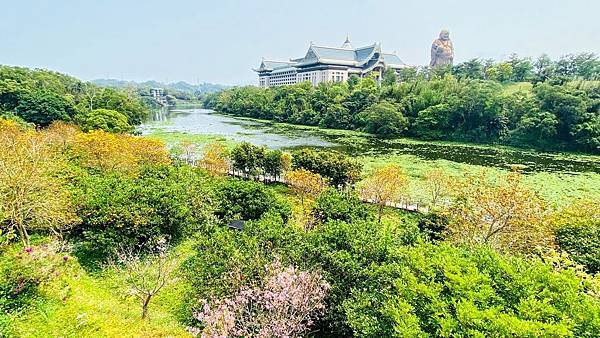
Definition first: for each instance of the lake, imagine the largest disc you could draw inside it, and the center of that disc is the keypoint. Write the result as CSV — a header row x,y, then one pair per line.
x,y
286,137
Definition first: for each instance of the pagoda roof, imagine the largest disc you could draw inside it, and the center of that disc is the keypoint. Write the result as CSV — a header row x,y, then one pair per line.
x,y
392,60
343,56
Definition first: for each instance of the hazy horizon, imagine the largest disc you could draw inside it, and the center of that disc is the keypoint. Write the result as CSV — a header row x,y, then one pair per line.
x,y
194,41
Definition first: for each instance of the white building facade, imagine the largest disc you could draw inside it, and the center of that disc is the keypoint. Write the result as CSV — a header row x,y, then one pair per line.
x,y
328,64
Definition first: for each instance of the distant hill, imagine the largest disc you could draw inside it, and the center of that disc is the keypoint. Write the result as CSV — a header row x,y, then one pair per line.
x,y
180,86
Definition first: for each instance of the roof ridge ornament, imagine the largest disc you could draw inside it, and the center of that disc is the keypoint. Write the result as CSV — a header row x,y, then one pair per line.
x,y
347,44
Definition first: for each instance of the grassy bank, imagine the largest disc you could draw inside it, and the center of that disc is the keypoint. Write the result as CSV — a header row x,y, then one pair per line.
x,y
78,303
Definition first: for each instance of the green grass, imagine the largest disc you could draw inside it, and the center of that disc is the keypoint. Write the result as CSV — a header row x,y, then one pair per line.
x,y
173,138
79,304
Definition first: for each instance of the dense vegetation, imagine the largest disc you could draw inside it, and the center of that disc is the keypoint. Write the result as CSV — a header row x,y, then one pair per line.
x,y
544,104
42,97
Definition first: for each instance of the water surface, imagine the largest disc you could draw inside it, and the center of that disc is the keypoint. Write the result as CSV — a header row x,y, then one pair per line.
x,y
285,136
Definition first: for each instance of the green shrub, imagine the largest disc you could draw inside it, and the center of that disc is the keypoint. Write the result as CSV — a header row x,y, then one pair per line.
x,y
247,200
120,212
338,168
433,226
582,243
343,251
439,290
333,205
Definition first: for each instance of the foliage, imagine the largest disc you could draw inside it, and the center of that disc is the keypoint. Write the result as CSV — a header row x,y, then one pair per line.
x,y
342,206
33,195
274,163
434,226
44,107
224,260
283,304
247,158
383,119
503,214
104,119
344,252
578,233
121,212
438,290
386,185
42,97
339,169
247,200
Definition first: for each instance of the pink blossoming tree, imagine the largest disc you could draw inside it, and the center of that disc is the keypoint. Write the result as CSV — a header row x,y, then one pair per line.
x,y
283,304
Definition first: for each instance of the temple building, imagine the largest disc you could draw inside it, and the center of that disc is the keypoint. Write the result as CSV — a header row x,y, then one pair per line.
x,y
328,64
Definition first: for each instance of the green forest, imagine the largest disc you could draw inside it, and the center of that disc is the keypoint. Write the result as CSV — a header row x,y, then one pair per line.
x,y
106,233
544,104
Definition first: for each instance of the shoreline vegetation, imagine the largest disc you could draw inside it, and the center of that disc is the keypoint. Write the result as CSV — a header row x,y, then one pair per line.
x,y
574,155
543,105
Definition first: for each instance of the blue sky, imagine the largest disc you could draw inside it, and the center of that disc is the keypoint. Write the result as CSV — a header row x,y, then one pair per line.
x,y
220,41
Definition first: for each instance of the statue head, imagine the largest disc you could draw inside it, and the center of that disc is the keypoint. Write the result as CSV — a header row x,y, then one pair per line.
x,y
444,35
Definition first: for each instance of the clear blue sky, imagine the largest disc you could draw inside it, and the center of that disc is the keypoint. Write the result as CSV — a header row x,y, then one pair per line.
x,y
220,41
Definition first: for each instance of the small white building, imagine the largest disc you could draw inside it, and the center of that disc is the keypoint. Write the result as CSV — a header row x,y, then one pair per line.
x,y
159,95
328,64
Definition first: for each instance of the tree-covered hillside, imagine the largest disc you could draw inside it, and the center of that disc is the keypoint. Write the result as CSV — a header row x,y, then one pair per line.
x,y
41,97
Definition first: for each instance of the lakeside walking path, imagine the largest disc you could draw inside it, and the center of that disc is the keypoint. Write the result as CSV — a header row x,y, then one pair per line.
x,y
403,205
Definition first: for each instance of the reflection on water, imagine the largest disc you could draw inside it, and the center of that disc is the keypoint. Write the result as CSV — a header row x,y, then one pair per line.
x,y
281,136
202,121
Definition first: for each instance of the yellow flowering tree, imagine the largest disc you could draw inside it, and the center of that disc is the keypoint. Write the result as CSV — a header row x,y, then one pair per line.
x,y
384,186
500,212
118,152
439,185
215,159
32,193
305,184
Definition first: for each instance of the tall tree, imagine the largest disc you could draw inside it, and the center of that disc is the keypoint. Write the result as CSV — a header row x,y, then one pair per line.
x,y
32,193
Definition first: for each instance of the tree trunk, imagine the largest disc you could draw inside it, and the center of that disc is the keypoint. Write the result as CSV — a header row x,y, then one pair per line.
x,y
23,233
379,214
145,306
